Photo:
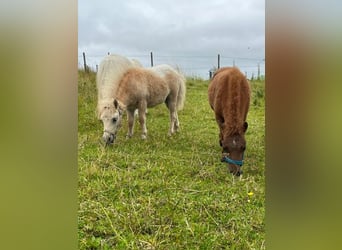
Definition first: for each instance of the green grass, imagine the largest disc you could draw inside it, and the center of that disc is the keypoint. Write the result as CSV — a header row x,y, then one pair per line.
x,y
169,192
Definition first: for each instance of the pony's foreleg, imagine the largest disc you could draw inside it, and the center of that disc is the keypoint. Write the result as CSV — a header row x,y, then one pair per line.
x,y
142,119
130,119
220,123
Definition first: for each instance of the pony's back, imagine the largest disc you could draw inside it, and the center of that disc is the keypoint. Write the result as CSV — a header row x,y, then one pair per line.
x,y
110,71
229,96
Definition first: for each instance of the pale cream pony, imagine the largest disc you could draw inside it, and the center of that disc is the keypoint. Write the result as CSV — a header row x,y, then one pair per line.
x,y
110,72
142,88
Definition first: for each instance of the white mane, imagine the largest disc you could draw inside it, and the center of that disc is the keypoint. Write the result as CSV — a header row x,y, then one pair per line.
x,y
103,105
136,63
109,74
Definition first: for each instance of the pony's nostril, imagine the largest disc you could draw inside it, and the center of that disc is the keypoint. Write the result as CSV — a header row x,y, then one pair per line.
x,y
108,139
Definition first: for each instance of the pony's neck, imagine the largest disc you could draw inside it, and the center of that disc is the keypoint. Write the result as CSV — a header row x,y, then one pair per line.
x,y
123,101
122,96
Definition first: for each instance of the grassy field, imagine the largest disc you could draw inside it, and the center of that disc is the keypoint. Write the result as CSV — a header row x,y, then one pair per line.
x,y
169,192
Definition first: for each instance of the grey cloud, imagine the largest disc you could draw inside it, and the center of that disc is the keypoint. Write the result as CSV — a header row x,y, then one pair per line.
x,y
235,28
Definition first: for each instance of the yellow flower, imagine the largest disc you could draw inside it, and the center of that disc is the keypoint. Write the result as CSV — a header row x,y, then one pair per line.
x,y
250,194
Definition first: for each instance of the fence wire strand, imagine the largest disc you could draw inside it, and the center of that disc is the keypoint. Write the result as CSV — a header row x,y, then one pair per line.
x,y
191,65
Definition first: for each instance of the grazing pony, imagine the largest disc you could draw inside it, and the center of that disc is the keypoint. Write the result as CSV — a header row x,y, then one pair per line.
x,y
229,97
142,88
111,70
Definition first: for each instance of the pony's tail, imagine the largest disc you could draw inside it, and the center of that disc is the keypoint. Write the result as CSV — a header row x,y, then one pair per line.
x,y
181,92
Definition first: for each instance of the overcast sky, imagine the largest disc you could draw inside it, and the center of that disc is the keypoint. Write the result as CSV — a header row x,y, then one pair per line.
x,y
184,33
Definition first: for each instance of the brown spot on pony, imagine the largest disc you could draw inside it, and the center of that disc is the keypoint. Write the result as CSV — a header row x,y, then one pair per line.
x,y
142,88
229,97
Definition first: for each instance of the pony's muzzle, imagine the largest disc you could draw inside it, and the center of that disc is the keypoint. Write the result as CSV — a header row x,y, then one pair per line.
x,y
108,138
233,165
235,169
238,173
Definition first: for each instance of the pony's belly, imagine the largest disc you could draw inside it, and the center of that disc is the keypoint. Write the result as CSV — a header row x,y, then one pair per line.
x,y
155,102
157,98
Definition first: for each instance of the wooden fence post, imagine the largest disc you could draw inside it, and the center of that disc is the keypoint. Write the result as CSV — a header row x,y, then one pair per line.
x,y
218,61
151,59
85,63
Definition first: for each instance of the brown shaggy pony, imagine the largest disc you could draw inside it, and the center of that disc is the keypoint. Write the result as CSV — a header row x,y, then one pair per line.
x,y
229,97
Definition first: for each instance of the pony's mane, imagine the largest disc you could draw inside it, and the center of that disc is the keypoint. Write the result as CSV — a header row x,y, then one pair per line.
x,y
108,77
110,71
104,104
136,63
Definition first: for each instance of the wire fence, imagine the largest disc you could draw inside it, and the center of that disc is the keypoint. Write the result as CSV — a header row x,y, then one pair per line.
x,y
201,66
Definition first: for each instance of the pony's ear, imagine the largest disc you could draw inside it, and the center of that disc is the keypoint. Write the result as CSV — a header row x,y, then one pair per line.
x,y
119,106
116,104
245,126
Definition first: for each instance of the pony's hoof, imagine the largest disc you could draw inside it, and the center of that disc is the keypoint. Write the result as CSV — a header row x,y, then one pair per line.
x,y
128,136
144,137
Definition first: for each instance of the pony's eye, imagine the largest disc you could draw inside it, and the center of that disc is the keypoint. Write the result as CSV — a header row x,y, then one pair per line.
x,y
114,120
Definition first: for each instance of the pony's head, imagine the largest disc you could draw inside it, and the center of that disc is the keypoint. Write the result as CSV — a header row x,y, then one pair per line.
x,y
110,113
233,148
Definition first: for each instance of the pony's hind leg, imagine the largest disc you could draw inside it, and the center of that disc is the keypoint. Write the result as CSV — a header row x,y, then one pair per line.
x,y
130,118
174,124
